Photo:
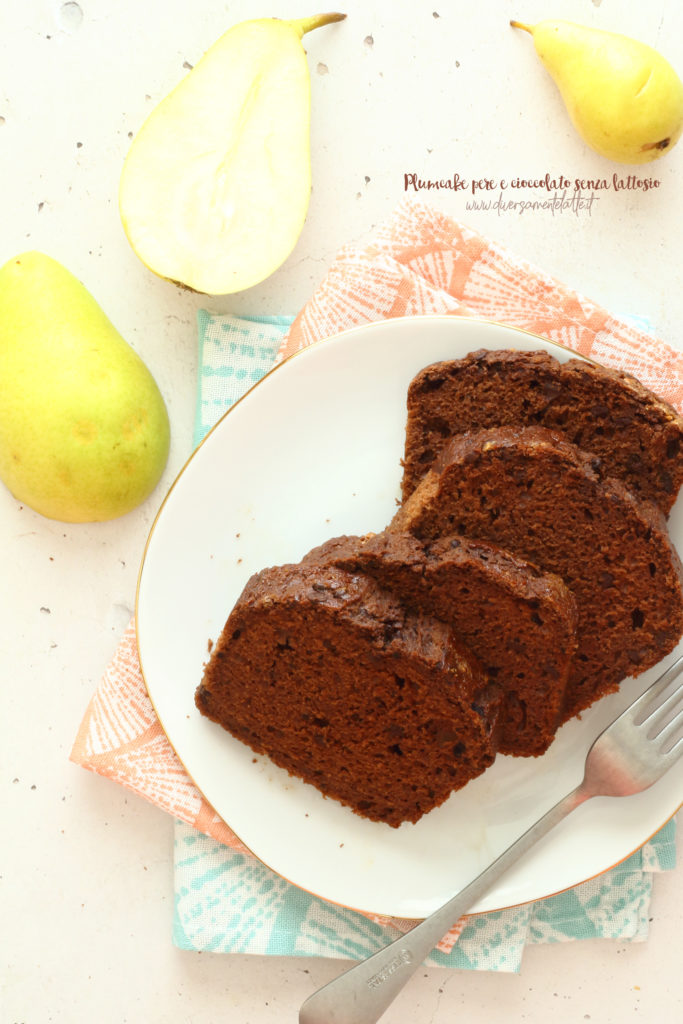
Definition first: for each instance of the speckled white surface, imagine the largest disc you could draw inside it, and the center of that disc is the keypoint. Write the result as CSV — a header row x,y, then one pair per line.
x,y
428,88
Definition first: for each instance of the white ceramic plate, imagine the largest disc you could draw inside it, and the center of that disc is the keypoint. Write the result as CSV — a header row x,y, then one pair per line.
x,y
311,452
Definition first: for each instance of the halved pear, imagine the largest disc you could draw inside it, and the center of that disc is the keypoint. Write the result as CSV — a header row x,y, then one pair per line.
x,y
215,189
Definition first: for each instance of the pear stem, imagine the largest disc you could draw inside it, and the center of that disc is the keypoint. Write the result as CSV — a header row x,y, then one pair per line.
x,y
520,24
304,25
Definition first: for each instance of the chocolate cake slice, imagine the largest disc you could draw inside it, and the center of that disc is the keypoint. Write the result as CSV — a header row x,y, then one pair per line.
x,y
531,491
331,677
518,621
609,413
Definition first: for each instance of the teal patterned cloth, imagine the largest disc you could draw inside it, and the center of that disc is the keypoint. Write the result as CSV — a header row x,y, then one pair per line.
x,y
228,902
234,353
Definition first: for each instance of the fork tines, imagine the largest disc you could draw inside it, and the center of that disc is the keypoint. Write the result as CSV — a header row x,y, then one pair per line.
x,y
661,711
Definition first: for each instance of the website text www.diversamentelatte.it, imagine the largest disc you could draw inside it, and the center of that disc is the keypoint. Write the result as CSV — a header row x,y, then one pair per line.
x,y
559,202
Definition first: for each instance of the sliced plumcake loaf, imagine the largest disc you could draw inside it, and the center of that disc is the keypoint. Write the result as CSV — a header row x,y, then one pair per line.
x,y
531,491
331,677
518,621
609,413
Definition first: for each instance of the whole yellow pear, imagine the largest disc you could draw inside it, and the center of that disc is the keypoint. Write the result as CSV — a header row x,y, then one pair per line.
x,y
84,431
623,97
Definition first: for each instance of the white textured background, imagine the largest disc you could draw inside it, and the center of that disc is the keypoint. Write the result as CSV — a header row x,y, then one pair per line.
x,y
430,86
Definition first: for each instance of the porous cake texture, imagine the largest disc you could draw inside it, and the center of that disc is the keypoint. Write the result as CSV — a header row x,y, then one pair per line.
x,y
534,493
527,571
519,621
337,682
607,412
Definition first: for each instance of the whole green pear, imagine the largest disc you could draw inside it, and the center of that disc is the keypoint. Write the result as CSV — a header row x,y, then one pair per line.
x,y
623,97
84,431
215,188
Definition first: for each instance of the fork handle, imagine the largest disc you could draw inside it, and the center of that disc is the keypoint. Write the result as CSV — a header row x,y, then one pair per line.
x,y
362,993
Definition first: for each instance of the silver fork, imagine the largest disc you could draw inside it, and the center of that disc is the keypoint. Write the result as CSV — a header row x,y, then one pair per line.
x,y
627,757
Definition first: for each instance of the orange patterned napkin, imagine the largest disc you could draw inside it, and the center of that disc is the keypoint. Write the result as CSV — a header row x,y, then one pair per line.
x,y
422,261
419,262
